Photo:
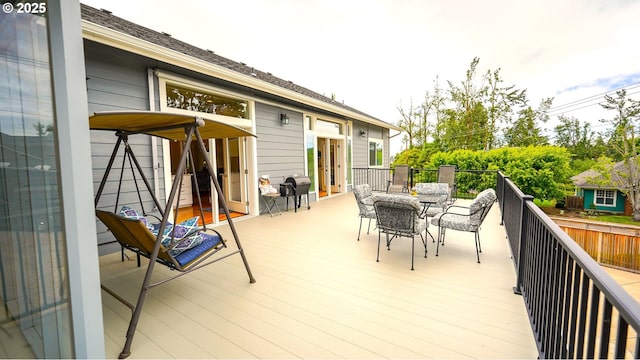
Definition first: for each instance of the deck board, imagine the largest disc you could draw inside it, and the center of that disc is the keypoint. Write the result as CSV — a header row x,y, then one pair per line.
x,y
321,294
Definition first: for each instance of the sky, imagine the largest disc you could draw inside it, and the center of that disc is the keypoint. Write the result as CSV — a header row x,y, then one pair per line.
x,y
379,55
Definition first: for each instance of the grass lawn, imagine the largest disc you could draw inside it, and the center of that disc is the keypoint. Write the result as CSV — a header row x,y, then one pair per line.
x,y
619,219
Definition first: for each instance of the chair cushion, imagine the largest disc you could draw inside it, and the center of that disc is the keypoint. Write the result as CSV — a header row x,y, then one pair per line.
x,y
483,199
392,219
364,199
453,221
362,191
188,226
264,184
432,188
434,209
209,241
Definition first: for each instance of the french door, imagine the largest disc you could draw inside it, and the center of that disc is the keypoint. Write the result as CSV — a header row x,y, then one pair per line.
x,y
330,165
233,173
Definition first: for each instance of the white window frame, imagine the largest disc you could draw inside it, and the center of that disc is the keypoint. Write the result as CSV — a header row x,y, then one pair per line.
x,y
379,142
604,197
165,78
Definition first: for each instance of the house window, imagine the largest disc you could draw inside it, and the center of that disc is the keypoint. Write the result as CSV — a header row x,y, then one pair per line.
x,y
328,127
375,152
606,197
311,156
184,98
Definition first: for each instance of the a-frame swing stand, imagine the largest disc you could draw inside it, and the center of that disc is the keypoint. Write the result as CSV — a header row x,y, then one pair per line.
x,y
133,234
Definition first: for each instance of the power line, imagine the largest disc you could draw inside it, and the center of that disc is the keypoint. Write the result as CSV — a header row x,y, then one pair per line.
x,y
561,111
588,101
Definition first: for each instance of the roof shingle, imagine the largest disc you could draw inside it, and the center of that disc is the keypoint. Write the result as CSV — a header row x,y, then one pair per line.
x,y
107,19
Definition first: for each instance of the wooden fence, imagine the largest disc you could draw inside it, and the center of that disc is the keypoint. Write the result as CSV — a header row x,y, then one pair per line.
x,y
574,202
609,244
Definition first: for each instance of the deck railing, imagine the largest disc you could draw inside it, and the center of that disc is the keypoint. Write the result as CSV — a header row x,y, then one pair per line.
x,y
468,182
576,309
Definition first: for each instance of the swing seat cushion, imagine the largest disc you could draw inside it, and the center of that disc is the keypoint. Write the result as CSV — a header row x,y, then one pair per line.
x,y
209,241
185,233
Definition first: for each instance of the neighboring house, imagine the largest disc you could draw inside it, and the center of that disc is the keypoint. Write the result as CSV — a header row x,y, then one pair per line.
x,y
600,194
63,61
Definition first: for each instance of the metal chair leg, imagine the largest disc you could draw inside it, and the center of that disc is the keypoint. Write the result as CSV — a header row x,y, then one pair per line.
x,y
378,254
478,246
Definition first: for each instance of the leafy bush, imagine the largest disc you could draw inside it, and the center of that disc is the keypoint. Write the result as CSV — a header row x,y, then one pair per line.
x,y
540,171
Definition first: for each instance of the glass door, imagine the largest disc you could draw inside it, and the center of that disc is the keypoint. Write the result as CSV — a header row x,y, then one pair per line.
x,y
235,175
335,167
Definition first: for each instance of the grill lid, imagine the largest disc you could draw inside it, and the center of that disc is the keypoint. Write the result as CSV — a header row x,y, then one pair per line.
x,y
298,180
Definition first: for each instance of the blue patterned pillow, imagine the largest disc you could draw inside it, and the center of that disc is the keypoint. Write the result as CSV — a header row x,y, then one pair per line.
x,y
130,213
188,227
186,244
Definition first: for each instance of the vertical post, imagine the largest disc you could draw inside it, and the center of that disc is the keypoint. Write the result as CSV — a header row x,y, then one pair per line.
x,y
410,179
502,179
522,243
600,246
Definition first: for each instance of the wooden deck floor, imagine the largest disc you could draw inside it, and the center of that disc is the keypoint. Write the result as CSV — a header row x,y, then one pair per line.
x,y
321,294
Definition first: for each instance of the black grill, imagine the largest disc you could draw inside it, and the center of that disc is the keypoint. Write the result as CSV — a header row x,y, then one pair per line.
x,y
296,186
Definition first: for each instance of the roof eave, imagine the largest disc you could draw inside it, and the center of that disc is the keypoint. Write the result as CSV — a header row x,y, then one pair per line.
x,y
119,40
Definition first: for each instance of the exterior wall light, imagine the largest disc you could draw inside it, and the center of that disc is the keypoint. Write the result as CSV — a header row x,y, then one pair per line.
x,y
284,119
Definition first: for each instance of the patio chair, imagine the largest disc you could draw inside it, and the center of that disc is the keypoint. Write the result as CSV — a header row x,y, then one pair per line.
x,y
399,216
463,218
269,195
447,174
364,198
400,180
434,189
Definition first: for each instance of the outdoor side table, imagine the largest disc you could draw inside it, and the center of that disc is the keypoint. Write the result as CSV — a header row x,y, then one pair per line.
x,y
271,202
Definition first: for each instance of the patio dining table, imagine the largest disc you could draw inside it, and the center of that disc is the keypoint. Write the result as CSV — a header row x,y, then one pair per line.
x,y
427,200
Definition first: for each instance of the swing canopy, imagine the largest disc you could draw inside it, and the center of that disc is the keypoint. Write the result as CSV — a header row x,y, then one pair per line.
x,y
162,124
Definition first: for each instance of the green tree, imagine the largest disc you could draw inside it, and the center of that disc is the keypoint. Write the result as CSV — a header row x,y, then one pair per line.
x,y
576,137
623,139
526,131
466,123
410,124
438,104
500,103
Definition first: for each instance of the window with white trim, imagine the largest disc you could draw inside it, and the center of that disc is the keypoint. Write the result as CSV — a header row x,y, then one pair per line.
x,y
375,152
605,197
181,97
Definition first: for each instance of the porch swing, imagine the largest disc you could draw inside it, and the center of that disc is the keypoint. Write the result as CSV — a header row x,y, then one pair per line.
x,y
183,247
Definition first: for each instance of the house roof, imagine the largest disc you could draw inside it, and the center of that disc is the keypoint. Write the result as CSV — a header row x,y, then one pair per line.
x,y
104,27
592,179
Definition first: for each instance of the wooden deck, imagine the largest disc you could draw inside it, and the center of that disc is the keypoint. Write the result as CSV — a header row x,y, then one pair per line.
x,y
321,294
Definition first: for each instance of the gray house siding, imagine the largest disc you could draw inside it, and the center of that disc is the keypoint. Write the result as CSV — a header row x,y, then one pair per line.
x,y
280,148
117,80
361,144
